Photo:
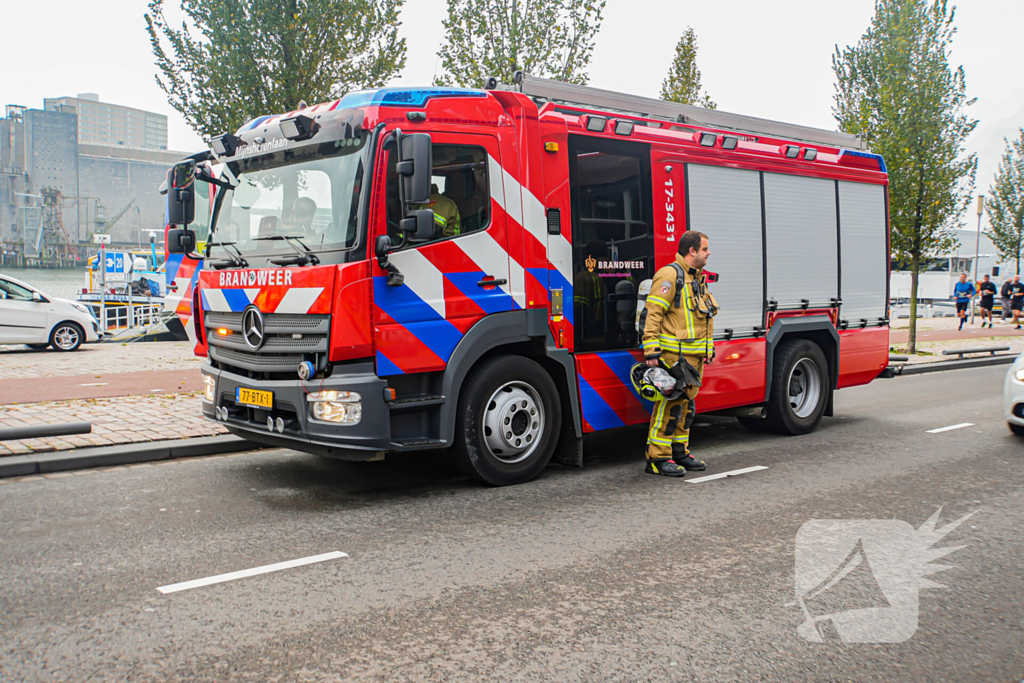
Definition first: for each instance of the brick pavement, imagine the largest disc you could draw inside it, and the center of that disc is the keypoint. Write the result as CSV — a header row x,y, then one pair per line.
x,y
22,362
131,419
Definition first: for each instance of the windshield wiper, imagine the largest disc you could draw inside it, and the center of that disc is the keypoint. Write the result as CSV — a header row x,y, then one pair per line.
x,y
302,257
234,259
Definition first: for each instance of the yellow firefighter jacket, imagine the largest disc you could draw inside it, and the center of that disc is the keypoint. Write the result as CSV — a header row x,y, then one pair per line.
x,y
688,329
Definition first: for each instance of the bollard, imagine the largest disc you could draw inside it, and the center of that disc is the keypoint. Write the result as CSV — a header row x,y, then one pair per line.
x,y
40,431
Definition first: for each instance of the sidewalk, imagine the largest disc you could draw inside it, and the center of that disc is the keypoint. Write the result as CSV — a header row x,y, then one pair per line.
x,y
934,335
133,393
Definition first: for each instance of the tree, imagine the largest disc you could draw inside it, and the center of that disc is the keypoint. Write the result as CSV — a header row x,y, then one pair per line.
x,y
683,81
234,60
547,38
1006,204
897,90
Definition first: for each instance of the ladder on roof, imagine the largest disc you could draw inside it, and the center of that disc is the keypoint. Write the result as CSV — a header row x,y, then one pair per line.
x,y
648,107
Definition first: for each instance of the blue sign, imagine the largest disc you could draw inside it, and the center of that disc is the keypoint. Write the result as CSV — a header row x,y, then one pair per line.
x,y
117,265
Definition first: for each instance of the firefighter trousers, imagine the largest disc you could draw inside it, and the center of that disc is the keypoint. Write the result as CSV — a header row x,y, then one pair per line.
x,y
669,433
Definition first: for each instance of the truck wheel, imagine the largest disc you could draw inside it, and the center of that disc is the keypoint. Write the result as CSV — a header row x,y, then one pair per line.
x,y
67,337
508,421
800,386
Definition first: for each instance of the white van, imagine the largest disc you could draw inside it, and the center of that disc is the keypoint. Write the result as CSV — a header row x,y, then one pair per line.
x,y
27,316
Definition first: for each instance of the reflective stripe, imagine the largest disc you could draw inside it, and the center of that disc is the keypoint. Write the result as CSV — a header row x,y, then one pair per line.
x,y
681,439
689,314
650,344
658,300
699,348
659,414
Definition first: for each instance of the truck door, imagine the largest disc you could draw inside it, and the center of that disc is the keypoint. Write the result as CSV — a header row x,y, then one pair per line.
x,y
458,276
612,253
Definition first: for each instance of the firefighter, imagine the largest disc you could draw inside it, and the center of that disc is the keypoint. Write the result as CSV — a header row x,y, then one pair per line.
x,y
446,214
679,329
588,292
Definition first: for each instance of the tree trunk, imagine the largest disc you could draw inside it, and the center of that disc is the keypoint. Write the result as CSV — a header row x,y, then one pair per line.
x,y
915,266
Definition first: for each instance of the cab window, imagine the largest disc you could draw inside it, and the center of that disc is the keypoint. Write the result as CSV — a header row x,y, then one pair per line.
x,y
458,193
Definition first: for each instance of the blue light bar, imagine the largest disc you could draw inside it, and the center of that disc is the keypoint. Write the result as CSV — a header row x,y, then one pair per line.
x,y
864,155
403,97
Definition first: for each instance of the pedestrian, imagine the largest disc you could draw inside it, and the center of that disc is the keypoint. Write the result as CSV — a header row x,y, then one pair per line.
x,y
679,329
1004,296
962,292
1016,300
987,289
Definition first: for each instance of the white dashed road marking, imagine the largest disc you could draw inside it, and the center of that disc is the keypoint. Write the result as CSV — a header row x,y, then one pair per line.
x,y
951,427
95,384
255,571
730,473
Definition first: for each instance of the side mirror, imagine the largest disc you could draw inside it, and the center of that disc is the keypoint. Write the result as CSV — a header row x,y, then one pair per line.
x,y
181,241
418,226
37,297
415,163
181,193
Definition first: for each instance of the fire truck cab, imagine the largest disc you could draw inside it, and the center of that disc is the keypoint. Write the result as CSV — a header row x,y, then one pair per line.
x,y
408,269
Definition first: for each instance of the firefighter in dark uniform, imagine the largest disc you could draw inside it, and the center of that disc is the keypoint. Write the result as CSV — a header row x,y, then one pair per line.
x,y
679,329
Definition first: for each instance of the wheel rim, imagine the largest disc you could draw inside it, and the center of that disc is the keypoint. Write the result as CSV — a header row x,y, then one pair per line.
x,y
66,337
513,422
804,387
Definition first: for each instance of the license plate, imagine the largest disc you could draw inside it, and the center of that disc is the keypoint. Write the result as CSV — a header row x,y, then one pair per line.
x,y
254,397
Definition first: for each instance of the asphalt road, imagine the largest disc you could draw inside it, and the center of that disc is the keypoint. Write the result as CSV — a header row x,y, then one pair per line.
x,y
604,574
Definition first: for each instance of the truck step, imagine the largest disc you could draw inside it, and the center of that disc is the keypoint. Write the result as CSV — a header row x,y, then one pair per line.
x,y
417,444
417,401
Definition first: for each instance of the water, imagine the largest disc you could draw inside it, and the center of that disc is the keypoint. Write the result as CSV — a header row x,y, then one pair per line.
x,y
63,284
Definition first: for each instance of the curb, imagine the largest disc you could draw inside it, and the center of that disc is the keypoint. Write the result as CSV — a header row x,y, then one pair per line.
x,y
942,365
121,454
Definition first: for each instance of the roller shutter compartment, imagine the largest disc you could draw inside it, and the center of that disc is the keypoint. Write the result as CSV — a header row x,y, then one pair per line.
x,y
725,203
865,257
800,222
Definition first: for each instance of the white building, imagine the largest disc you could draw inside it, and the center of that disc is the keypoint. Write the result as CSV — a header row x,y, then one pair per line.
x,y
941,272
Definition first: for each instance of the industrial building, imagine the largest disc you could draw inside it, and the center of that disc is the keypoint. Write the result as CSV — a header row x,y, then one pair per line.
x,y
63,182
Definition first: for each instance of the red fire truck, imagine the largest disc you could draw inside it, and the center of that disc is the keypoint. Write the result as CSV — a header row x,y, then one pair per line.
x,y
407,269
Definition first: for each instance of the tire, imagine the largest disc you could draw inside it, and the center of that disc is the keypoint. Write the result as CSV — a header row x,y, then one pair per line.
x,y
800,387
67,336
37,347
1016,429
493,396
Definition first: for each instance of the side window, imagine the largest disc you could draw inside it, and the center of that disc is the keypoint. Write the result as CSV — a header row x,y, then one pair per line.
x,y
613,243
458,193
9,290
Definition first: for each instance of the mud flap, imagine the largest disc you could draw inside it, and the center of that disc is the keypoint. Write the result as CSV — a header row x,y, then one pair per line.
x,y
830,404
569,449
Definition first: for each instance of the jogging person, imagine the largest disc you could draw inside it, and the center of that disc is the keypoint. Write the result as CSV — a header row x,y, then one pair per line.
x,y
1016,300
962,292
988,298
1004,295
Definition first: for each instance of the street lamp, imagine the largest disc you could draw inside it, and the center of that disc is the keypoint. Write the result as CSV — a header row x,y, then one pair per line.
x,y
977,246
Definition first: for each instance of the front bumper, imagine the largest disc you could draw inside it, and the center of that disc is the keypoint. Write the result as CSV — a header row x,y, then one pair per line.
x,y
365,440
1013,397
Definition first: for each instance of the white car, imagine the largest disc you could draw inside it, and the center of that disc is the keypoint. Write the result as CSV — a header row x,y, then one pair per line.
x,y
27,316
1013,396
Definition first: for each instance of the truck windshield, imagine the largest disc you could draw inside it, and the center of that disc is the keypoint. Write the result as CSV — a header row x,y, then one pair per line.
x,y
311,193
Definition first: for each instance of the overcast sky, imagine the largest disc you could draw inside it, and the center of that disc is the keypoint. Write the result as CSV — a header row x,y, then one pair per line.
x,y
768,59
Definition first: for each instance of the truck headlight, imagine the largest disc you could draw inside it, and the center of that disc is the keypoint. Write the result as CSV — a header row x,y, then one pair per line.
x,y
1019,375
341,407
209,388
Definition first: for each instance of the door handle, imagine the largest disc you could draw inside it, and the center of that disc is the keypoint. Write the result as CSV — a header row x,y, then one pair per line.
x,y
491,282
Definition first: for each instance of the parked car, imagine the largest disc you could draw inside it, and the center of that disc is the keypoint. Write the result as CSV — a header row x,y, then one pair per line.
x,y
28,316
1013,396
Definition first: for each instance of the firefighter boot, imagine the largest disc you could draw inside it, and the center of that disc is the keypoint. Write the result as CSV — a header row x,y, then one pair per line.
x,y
687,460
665,468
